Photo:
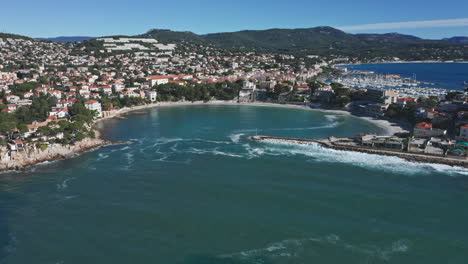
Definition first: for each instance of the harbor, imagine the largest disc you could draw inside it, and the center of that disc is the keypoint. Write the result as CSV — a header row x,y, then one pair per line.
x,y
405,87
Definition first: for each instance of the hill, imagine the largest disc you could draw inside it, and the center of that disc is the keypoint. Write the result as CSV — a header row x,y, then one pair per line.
x,y
324,41
284,39
388,37
169,36
13,36
463,40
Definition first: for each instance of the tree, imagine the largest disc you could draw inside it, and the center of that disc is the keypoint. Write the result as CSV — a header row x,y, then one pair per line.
x,y
44,130
22,128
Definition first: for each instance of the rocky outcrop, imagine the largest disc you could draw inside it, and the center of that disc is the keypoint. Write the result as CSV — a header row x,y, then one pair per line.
x,y
17,160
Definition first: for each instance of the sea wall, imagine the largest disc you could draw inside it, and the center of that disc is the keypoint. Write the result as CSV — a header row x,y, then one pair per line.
x,y
404,155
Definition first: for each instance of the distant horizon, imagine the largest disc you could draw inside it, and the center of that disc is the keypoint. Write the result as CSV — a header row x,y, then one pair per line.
x,y
428,19
139,33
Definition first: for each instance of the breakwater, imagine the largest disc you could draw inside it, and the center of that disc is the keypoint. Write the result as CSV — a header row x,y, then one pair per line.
x,y
333,144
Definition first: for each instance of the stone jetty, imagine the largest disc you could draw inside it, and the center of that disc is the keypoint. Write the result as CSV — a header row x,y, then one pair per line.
x,y
335,143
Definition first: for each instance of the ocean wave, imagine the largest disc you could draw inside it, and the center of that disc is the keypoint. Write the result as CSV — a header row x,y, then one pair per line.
x,y
66,198
165,159
333,118
129,158
331,124
102,156
293,248
235,137
64,184
124,148
162,141
365,160
213,152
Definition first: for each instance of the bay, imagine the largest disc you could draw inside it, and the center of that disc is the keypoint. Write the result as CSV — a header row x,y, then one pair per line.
x,y
192,188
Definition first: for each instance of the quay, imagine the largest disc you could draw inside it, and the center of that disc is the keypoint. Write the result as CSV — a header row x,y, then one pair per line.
x,y
337,144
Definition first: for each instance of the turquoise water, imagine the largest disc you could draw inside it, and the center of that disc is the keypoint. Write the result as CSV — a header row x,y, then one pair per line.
x,y
444,75
191,188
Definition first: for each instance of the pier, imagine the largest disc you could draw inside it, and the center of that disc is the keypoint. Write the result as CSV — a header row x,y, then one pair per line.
x,y
335,143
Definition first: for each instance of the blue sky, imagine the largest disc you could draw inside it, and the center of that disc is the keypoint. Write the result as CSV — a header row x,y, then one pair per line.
x,y
49,18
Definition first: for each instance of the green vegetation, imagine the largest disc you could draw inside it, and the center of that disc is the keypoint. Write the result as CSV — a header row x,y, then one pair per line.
x,y
406,113
14,36
325,41
169,36
198,92
74,130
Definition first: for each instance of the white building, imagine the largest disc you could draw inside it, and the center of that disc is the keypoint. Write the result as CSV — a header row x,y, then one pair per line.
x,y
94,106
158,79
151,95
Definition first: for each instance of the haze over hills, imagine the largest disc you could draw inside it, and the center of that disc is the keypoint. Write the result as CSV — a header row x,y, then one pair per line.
x,y
318,40
463,40
316,34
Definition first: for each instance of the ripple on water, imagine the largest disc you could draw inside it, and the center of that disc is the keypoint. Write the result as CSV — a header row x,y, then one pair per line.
x,y
297,248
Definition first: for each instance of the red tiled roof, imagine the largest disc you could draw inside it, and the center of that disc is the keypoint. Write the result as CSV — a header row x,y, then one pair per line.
x,y
405,99
423,125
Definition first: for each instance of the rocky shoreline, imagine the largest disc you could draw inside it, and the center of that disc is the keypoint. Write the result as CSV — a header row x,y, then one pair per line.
x,y
31,155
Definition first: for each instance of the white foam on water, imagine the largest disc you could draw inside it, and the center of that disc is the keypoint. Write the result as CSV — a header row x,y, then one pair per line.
x,y
165,159
70,197
210,141
64,184
333,118
292,248
102,156
235,137
330,125
241,132
213,152
129,157
163,141
125,148
370,161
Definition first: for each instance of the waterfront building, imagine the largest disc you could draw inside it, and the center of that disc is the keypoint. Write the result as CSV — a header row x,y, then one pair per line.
x,y
381,96
323,94
425,130
464,133
94,106
247,93
151,95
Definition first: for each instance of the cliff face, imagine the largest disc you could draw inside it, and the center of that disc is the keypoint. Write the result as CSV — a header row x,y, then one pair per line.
x,y
16,160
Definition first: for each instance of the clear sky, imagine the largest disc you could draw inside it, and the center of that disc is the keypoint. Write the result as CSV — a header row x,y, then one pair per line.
x,y
50,18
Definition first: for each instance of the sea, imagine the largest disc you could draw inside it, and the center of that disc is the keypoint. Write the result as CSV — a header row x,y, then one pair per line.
x,y
451,76
190,187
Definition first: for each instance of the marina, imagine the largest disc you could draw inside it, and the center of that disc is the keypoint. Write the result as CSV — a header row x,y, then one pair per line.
x,y
405,87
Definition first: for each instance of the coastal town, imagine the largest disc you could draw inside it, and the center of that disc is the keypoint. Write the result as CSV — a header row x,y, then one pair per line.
x,y
53,93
